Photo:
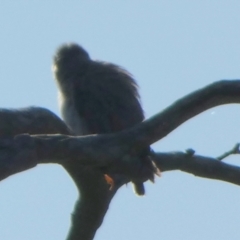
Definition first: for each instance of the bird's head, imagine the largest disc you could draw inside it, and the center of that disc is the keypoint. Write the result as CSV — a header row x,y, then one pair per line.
x,y
69,59
70,53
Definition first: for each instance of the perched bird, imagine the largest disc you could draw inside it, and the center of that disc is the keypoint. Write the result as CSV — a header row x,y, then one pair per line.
x,y
97,97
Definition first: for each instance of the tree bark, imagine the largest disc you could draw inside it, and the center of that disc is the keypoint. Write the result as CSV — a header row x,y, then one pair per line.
x,y
44,138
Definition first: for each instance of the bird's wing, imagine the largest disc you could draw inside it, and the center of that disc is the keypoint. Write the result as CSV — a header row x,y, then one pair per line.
x,y
107,99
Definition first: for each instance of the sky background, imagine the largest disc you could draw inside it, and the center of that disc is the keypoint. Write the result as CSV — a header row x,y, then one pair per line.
x,y
172,48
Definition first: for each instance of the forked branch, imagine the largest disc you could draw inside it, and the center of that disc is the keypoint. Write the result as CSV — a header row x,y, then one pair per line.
x,y
83,157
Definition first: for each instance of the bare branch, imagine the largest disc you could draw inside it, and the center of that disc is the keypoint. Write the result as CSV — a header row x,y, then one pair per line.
x,y
160,125
95,151
93,204
18,154
235,150
200,166
23,152
31,120
84,157
116,146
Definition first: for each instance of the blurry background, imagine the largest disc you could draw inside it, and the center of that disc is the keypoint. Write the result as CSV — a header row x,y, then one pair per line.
x,y
172,48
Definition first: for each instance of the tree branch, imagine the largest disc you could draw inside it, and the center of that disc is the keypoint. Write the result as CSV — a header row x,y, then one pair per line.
x,y
235,150
160,125
22,152
200,166
31,120
84,157
18,154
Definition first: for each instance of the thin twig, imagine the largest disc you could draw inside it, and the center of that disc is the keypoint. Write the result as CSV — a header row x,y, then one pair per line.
x,y
235,150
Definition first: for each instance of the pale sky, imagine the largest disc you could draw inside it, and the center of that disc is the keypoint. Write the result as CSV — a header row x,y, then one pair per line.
x,y
172,48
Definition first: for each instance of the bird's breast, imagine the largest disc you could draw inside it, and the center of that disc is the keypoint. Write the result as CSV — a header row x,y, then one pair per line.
x,y
71,117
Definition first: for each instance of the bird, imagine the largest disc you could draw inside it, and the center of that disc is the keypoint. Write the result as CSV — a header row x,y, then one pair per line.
x,y
97,97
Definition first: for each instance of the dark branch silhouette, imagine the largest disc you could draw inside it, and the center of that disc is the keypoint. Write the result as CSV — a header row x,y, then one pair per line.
x,y
160,125
200,166
48,140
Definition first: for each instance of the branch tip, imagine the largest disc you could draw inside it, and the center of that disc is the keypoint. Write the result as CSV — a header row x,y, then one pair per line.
x,y
234,150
